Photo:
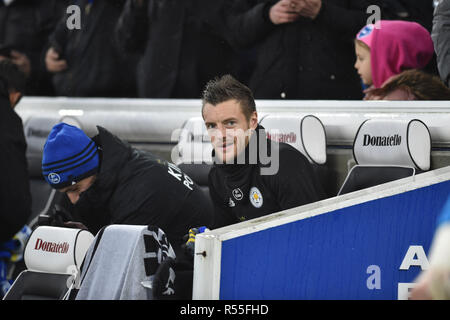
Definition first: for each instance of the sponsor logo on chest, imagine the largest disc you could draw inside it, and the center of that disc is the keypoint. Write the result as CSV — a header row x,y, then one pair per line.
x,y
237,194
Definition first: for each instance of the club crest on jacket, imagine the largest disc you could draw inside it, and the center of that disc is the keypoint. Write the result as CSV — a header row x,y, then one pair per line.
x,y
256,197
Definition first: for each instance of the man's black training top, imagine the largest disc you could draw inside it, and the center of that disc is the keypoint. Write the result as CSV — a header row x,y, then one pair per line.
x,y
240,192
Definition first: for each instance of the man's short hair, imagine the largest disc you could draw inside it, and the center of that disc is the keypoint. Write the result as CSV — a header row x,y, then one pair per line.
x,y
11,78
227,88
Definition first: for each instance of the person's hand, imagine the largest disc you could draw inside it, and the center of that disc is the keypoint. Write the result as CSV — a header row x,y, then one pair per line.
x,y
310,8
53,63
285,11
189,246
21,60
421,290
432,284
139,3
370,95
75,225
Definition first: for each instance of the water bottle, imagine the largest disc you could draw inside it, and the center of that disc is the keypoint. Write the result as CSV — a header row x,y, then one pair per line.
x,y
5,284
21,239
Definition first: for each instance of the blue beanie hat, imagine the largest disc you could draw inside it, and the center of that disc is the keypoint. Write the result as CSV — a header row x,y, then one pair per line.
x,y
69,156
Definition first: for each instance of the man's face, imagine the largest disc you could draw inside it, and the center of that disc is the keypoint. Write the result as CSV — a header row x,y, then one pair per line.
x,y
228,128
73,192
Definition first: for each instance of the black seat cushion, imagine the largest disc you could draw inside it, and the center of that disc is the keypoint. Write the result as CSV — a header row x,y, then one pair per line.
x,y
197,172
361,177
31,285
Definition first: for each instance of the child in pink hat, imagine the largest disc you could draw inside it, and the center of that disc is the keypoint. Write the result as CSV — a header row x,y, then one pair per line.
x,y
389,47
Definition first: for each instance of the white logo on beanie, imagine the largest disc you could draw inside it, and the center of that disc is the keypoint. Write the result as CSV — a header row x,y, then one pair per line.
x,y
54,178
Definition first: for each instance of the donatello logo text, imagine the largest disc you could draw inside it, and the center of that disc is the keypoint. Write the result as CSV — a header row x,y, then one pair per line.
x,y
47,246
379,141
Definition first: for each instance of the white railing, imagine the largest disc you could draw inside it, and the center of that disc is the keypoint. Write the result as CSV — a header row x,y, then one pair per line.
x,y
154,120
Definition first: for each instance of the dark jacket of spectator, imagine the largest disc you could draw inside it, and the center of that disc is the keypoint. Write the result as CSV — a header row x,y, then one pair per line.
x,y
15,196
305,59
420,11
180,50
95,67
24,27
441,39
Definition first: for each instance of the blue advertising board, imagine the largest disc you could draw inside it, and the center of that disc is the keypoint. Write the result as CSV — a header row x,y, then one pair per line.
x,y
372,250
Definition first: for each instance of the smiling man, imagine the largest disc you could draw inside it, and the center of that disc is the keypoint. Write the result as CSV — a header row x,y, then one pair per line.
x,y
106,181
229,128
240,185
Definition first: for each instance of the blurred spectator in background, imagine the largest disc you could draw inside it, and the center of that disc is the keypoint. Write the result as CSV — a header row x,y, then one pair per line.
x,y
441,39
420,11
387,48
304,47
85,62
24,28
180,50
412,85
15,196
434,283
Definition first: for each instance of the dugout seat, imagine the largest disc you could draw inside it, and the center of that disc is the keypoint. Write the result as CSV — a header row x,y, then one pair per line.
x,y
52,257
133,262
194,152
36,132
387,150
306,134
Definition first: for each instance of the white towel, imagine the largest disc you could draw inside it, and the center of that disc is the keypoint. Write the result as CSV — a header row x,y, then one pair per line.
x,y
123,265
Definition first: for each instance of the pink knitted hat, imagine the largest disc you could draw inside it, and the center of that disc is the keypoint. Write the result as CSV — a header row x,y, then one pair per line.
x,y
396,46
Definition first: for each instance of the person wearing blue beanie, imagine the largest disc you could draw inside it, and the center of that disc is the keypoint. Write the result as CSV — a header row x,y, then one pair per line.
x,y
69,156
104,180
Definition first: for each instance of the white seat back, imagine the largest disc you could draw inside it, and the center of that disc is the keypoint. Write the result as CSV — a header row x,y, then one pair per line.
x,y
393,142
306,134
194,145
56,250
